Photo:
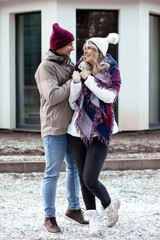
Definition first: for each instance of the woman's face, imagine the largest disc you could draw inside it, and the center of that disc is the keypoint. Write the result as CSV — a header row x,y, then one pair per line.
x,y
89,54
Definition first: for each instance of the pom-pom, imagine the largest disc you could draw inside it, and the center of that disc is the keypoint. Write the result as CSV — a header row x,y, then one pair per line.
x,y
112,38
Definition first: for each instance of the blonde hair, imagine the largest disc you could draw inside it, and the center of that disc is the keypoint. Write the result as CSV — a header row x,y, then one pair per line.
x,y
99,63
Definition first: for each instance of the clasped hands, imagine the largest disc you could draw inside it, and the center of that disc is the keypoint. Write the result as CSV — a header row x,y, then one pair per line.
x,y
78,75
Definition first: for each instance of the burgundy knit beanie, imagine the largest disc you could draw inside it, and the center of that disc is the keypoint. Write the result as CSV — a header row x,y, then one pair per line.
x,y
60,37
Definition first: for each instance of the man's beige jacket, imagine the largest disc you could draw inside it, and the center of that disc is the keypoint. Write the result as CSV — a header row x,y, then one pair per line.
x,y
53,81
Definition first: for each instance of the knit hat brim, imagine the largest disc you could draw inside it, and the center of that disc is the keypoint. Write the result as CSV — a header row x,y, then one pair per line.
x,y
102,43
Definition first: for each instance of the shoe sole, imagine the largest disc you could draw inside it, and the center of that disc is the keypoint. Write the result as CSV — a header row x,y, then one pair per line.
x,y
59,232
118,207
92,234
74,221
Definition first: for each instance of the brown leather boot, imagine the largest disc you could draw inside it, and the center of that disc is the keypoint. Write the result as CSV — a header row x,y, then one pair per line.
x,y
51,225
75,216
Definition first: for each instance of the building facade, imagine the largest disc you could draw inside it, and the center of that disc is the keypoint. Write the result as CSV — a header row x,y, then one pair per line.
x,y
25,28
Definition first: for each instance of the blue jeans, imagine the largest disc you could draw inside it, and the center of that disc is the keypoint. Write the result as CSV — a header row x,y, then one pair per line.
x,y
56,150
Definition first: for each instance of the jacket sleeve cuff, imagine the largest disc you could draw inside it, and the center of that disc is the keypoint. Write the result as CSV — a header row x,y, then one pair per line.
x,y
75,88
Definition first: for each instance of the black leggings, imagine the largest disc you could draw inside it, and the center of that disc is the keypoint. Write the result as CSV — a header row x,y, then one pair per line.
x,y
89,161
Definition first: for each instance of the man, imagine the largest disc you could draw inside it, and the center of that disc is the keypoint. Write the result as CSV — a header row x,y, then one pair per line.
x,y
53,80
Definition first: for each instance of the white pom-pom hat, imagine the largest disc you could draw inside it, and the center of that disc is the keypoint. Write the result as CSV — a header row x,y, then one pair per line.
x,y
102,43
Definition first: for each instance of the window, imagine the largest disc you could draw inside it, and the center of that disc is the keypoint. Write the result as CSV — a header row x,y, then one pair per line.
x,y
97,23
28,57
92,23
154,72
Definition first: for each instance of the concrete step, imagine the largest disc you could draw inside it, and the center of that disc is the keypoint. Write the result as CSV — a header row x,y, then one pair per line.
x,y
28,166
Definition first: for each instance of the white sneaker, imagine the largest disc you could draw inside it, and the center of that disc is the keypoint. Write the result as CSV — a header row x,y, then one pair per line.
x,y
112,212
93,230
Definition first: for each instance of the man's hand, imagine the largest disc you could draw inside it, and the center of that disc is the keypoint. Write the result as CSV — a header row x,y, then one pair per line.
x,y
76,77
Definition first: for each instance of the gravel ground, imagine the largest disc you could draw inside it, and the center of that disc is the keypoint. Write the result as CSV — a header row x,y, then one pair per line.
x,y
21,146
21,207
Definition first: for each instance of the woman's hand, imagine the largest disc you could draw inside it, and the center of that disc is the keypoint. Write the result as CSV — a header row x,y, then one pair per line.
x,y
85,73
76,77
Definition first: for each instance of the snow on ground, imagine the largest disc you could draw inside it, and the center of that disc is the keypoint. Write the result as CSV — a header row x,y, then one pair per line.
x,y
21,207
19,146
19,143
21,158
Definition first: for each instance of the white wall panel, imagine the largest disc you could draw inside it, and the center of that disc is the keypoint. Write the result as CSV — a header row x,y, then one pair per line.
x,y
7,44
133,50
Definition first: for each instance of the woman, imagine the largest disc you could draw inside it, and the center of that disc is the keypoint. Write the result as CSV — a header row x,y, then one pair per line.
x,y
94,89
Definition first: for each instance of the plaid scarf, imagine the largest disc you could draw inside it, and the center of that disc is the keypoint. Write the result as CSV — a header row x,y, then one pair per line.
x,y
95,116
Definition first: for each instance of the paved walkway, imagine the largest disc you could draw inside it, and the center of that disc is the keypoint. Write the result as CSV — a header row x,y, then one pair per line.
x,y
23,152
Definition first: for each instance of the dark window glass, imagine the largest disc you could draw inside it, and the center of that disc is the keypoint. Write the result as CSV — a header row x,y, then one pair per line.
x,y
96,23
154,72
28,57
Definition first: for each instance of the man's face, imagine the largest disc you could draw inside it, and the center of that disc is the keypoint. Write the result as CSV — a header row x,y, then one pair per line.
x,y
66,50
